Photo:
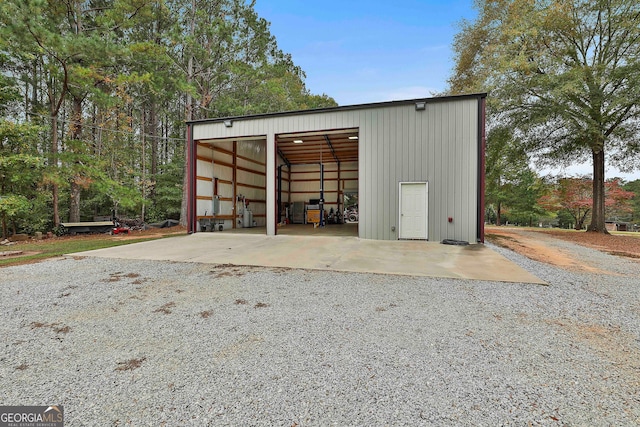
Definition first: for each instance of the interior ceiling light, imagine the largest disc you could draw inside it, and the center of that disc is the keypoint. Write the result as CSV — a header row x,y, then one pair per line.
x,y
353,137
297,141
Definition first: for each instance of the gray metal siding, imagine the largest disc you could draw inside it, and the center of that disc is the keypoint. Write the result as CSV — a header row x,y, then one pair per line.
x,y
397,144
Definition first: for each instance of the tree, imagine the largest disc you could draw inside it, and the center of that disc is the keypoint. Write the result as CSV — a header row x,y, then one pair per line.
x,y
634,187
574,196
232,64
617,200
110,83
506,166
24,32
20,172
20,165
566,75
526,190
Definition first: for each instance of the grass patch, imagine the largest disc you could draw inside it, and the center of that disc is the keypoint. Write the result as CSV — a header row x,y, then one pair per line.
x,y
62,246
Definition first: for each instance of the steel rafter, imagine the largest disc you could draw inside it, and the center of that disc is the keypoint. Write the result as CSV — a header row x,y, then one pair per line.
x,y
333,152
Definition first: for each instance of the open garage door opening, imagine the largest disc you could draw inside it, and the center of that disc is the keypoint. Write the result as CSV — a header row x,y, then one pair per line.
x,y
317,182
231,185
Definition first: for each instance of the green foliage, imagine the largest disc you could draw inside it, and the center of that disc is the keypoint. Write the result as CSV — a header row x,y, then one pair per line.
x,y
634,187
109,84
39,215
565,219
13,206
20,173
526,191
168,194
510,183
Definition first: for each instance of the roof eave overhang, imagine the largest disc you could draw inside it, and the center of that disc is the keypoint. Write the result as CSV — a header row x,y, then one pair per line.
x,y
342,108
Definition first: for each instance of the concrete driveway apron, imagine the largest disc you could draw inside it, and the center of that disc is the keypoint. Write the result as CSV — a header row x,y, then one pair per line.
x,y
350,254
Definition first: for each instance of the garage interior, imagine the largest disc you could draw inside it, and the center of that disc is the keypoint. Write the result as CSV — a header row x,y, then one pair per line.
x,y
316,184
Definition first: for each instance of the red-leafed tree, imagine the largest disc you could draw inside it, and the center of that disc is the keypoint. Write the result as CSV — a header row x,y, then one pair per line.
x,y
575,196
617,199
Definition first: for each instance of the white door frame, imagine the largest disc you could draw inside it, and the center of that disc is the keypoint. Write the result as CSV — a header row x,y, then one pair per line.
x,y
426,209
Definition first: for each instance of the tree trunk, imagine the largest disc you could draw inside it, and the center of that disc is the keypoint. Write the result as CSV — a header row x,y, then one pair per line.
x,y
74,205
153,133
4,227
53,163
185,180
597,212
76,134
190,115
143,161
498,218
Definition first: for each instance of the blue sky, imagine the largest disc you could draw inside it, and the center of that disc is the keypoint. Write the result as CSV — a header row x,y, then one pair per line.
x,y
360,51
369,51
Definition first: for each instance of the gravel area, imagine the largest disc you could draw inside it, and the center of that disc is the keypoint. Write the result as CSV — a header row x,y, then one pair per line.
x,y
141,343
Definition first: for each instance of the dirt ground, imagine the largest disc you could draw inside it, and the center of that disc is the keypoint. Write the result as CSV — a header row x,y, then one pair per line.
x,y
534,243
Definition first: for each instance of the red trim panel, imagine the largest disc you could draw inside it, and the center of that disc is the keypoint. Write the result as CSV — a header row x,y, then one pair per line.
x,y
191,177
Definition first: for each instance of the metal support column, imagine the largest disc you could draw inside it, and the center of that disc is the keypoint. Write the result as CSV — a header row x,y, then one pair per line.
x,y
279,194
321,195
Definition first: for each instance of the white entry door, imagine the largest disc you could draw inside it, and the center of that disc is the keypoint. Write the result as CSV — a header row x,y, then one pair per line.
x,y
413,210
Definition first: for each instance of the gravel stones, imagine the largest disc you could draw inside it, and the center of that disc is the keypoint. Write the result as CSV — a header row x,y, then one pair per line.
x,y
121,342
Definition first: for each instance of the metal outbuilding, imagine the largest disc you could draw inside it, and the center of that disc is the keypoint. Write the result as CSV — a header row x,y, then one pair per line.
x,y
415,168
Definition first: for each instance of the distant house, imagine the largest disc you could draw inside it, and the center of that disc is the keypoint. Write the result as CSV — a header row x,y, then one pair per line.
x,y
415,167
617,226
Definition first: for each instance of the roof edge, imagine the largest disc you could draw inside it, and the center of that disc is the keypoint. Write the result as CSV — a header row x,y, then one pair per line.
x,y
342,108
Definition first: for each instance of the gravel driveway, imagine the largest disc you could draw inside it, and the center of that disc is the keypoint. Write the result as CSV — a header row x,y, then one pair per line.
x,y
138,343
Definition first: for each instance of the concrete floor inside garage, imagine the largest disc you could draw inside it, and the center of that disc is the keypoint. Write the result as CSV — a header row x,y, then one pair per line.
x,y
349,229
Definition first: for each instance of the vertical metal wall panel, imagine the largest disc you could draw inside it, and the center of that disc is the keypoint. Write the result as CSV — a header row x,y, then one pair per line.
x,y
397,144
438,184
433,163
450,168
363,141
